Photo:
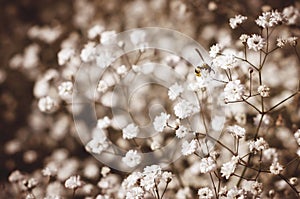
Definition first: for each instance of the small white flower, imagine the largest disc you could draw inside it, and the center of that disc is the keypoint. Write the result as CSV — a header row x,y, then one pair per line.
x,y
292,41
181,132
174,91
65,89
228,168
281,42
205,193
47,104
97,145
270,155
253,186
255,42
103,123
298,152
132,158
138,38
233,91
102,86
225,61
291,14
258,145
167,176
264,91
150,175
235,193
122,70
236,131
88,53
73,182
207,165
135,193
237,20
188,148
276,168
215,50
184,109
64,55
244,38
160,122
95,31
269,19
108,37
130,131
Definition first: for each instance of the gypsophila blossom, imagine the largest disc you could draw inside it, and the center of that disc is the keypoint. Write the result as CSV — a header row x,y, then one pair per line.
x,y
47,104
228,168
269,19
73,182
64,55
132,180
167,176
132,158
181,131
187,148
97,145
184,109
95,31
225,61
88,53
138,38
258,145
270,154
234,91
122,70
174,91
160,122
255,42
291,14
102,86
264,91
276,168
215,50
243,38
65,89
235,193
236,131
207,165
292,41
237,20
205,193
108,37
103,123
135,193
151,174
16,176
130,131
281,42
253,186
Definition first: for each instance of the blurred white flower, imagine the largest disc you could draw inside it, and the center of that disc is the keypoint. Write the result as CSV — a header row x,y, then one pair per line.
x,y
122,70
47,104
132,158
255,42
276,168
205,193
187,148
64,55
236,131
108,37
130,131
135,193
244,37
65,89
237,20
264,91
226,61
291,14
102,86
184,109
73,182
104,122
269,19
258,145
97,145
95,31
215,50
88,53
235,193
160,122
174,91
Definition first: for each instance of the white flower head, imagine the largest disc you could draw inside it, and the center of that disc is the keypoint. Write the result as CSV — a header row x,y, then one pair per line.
x,y
122,70
160,122
108,37
97,145
95,31
73,182
236,131
132,158
102,86
138,37
234,91
237,20
244,38
181,131
88,53
255,42
187,148
64,55
205,193
104,122
292,41
47,104
291,14
207,165
264,91
269,19
227,60
276,168
174,91
65,89
258,145
184,109
130,131
215,50
228,168
135,193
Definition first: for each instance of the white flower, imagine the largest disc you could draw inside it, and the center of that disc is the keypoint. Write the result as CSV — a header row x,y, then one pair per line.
x,y
276,168
130,131
225,61
184,109
258,145
103,123
97,145
65,89
264,91
270,155
95,31
181,132
207,165
102,86
73,182
88,53
228,168
292,41
291,14
184,193
253,186
64,55
281,42
205,193
269,19
150,174
108,37
233,91
47,104
235,193
104,58
135,193
167,176
132,158
188,148
255,42
160,122
237,20
236,131
215,50
174,91
122,70
244,38
138,38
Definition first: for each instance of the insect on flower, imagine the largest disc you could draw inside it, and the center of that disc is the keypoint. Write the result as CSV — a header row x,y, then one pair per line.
x,y
203,66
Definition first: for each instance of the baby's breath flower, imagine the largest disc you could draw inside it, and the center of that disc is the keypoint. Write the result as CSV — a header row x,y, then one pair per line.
x,y
97,145
281,42
181,132
88,53
264,91
167,176
258,145
102,86
235,193
292,41
160,122
298,152
73,182
237,20
244,38
135,193
47,104
253,186
151,174
188,148
174,91
95,31
64,55
108,37
291,14
276,168
132,158
122,70
225,61
103,123
233,91
215,50
207,165
16,176
236,131
184,109
65,89
130,131
270,155
228,168
205,193
255,42
269,19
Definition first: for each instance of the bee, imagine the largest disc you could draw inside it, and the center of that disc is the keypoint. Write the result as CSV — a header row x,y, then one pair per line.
x,y
204,66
